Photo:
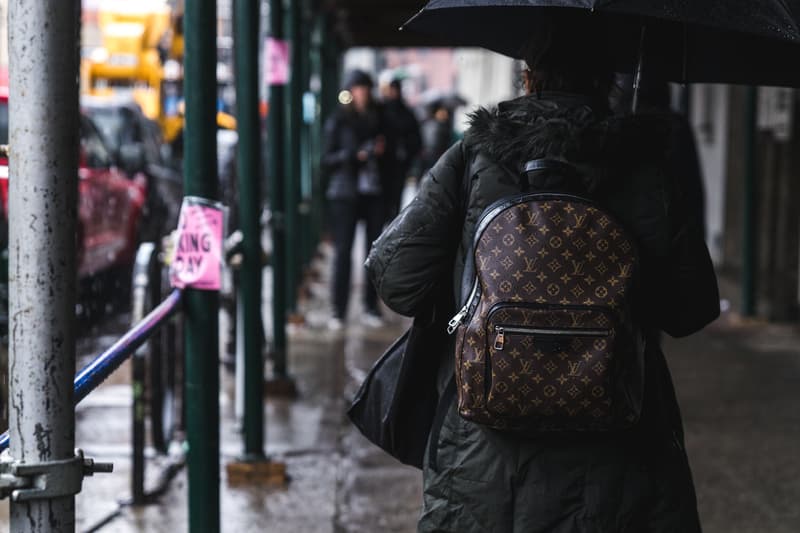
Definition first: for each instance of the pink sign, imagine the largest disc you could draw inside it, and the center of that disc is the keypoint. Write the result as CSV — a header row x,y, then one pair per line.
x,y
276,62
197,261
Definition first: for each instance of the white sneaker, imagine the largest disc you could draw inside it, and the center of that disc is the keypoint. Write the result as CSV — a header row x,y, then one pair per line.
x,y
371,320
335,324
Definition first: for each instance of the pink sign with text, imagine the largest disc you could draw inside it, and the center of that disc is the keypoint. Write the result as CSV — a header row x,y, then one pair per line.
x,y
197,260
276,59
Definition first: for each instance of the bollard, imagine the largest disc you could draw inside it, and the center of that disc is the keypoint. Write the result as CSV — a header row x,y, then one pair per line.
x,y
44,137
202,307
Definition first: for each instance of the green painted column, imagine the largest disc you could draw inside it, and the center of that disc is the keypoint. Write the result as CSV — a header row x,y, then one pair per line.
x,y
202,307
293,155
749,245
315,131
330,84
306,164
277,174
246,22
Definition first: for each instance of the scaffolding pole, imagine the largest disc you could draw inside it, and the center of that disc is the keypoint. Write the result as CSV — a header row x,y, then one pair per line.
x,y
202,307
276,126
246,20
44,136
294,155
749,209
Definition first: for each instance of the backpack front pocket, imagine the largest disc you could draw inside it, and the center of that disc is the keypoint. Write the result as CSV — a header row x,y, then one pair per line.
x,y
550,363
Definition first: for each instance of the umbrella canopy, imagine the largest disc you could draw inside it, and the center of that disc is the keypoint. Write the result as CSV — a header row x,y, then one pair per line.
x,y
719,41
435,98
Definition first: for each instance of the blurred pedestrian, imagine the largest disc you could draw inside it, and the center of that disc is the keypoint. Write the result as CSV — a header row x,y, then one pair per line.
x,y
437,135
481,479
355,144
403,144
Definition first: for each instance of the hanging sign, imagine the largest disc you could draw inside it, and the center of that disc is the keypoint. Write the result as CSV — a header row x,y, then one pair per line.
x,y
276,62
197,247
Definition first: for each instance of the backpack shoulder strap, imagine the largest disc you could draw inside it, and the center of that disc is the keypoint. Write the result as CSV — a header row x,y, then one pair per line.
x,y
538,175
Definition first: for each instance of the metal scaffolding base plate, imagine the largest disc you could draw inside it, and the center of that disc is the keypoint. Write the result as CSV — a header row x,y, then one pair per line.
x,y
284,387
263,472
295,319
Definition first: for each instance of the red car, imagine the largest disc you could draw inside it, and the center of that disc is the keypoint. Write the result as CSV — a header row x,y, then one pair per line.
x,y
110,202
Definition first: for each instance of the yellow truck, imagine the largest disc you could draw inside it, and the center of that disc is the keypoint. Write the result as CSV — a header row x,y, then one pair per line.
x,y
141,52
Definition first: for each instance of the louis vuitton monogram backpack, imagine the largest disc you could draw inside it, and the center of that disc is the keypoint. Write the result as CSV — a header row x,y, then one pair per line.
x,y
547,339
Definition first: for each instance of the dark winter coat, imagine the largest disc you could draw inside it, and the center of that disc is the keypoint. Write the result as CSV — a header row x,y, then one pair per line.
x,y
480,480
346,133
403,145
437,136
404,136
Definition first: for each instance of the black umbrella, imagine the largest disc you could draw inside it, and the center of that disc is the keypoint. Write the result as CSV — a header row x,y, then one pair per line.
x,y
719,41
436,98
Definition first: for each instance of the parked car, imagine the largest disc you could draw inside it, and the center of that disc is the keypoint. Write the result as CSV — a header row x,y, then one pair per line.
x,y
110,208
138,146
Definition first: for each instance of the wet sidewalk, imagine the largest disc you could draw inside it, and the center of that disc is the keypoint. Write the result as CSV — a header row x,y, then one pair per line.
x,y
738,385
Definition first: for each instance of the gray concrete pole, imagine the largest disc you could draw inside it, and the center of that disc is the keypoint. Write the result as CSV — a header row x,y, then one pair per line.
x,y
44,136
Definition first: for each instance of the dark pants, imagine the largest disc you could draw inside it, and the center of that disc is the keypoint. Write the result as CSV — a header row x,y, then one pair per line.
x,y
345,215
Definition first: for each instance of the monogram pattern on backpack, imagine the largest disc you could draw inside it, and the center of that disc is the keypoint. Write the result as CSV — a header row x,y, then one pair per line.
x,y
546,334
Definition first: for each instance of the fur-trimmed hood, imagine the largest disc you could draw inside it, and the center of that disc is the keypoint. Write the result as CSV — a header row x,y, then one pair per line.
x,y
566,127
558,126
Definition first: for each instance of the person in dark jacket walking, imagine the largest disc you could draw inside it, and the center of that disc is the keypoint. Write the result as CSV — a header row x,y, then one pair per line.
x,y
437,135
354,147
403,146
482,480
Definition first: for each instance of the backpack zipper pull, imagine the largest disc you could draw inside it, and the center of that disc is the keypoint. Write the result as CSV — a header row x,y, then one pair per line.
x,y
456,320
500,339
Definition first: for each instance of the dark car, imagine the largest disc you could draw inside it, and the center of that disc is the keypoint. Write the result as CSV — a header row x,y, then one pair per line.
x,y
138,146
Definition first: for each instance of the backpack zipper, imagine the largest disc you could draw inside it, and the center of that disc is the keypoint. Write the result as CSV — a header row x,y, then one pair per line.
x,y
462,314
500,333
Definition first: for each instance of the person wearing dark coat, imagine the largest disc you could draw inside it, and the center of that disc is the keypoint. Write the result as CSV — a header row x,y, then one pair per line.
x,y
437,135
403,145
478,479
354,146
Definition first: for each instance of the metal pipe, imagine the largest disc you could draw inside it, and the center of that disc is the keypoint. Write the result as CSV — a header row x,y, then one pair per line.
x,y
246,22
101,368
316,130
43,189
294,156
749,209
276,126
96,372
202,307
307,112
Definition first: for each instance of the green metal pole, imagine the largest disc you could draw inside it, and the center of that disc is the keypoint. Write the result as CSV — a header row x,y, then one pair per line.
x,y
329,90
276,127
294,154
246,21
305,141
315,85
202,307
331,83
749,208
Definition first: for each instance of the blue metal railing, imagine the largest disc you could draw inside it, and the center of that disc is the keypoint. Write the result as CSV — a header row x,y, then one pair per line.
x,y
92,375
